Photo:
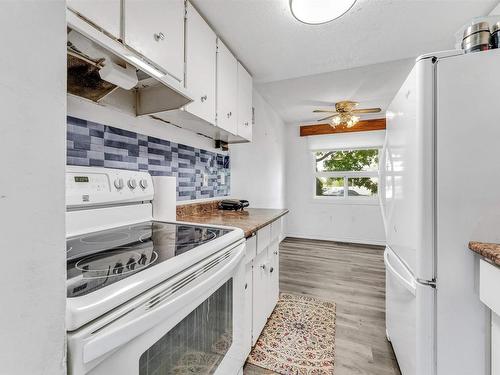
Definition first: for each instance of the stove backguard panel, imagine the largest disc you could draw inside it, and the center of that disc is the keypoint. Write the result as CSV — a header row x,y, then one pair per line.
x,y
93,144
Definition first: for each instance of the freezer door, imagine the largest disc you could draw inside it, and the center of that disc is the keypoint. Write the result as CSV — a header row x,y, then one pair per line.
x,y
407,172
399,177
409,318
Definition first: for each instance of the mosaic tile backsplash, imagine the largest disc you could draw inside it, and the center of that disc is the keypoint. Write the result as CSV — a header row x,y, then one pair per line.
x,y
92,144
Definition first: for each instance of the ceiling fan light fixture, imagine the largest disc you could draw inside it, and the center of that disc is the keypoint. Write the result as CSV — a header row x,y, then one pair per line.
x,y
316,12
353,120
336,121
344,119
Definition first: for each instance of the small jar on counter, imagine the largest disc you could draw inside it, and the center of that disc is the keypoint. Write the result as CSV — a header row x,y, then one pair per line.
x,y
476,37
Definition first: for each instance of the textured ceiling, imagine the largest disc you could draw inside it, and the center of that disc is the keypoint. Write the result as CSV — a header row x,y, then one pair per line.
x,y
364,56
274,46
371,85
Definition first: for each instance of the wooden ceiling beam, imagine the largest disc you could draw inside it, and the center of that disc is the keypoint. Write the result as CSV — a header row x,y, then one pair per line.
x,y
362,126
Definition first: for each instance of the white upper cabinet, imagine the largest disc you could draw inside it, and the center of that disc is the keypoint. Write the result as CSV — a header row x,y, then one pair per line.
x,y
227,89
104,14
244,103
155,29
201,49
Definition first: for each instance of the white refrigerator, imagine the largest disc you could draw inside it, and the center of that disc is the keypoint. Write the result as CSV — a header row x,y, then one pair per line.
x,y
440,174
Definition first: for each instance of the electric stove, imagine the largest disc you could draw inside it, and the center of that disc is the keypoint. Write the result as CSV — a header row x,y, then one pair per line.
x,y
99,259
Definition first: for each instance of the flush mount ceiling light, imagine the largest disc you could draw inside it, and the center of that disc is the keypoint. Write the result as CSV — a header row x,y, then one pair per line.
x,y
315,12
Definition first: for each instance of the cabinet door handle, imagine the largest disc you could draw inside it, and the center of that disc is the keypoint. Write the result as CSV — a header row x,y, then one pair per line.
x,y
203,98
246,286
271,270
159,36
263,266
275,253
229,114
246,123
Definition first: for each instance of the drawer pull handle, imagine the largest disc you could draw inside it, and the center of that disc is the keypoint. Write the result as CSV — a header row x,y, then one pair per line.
x,y
271,270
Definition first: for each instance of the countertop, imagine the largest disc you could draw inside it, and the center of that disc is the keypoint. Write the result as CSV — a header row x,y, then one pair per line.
x,y
489,251
250,220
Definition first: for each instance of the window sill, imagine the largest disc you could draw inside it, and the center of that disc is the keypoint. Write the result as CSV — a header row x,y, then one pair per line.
x,y
346,201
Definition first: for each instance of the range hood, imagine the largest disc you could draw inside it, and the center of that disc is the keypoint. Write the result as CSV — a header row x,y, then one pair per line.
x,y
105,71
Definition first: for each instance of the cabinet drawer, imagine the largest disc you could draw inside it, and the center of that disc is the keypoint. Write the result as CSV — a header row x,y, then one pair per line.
x,y
251,249
263,238
276,228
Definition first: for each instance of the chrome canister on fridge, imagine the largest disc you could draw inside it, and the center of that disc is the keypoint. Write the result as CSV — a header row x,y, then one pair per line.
x,y
495,36
476,37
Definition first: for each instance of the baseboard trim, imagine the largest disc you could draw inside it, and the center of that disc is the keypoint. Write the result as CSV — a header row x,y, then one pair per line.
x,y
337,239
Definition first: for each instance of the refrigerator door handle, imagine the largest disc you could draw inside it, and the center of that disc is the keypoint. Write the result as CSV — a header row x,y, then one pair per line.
x,y
410,285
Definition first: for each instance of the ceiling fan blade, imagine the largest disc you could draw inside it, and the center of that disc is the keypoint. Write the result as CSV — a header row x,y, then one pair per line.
x,y
324,111
326,118
367,110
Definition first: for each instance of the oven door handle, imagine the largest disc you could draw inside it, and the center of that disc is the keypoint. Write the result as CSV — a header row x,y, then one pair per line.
x,y
126,328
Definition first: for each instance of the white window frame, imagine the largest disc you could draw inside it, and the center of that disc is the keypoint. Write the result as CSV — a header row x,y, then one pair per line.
x,y
345,175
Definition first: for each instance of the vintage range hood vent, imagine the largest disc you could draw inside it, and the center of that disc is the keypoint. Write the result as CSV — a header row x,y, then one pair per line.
x,y
105,71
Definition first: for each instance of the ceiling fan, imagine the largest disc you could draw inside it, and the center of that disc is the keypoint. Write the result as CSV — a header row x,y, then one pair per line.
x,y
345,114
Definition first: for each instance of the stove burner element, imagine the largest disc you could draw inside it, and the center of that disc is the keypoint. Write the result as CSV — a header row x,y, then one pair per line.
x,y
111,263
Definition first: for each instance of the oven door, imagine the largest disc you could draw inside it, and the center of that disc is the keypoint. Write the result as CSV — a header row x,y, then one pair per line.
x,y
190,324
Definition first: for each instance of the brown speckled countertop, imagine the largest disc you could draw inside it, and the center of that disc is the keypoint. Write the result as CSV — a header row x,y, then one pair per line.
x,y
250,220
490,251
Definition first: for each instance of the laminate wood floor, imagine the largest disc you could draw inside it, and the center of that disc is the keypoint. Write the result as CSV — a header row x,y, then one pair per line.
x,y
353,276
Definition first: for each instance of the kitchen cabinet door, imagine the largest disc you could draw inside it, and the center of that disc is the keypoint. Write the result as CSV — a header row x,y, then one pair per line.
x,y
274,278
155,29
104,14
201,52
244,103
248,308
260,294
227,89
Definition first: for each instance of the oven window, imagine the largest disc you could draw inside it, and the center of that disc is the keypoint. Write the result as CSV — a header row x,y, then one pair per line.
x,y
198,343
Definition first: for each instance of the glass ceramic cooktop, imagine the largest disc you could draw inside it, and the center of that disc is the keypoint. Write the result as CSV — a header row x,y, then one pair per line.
x,y
102,258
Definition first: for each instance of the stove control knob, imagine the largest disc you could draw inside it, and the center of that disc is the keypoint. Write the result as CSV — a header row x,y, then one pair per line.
x,y
132,183
144,183
117,269
142,260
119,183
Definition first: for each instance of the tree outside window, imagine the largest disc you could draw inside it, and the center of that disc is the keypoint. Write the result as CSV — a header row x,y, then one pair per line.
x,y
346,173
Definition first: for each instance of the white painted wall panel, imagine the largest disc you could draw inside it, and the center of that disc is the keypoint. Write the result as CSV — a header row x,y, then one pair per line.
x,y
258,168
32,164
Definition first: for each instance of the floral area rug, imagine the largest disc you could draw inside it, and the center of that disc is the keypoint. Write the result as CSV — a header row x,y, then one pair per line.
x,y
299,337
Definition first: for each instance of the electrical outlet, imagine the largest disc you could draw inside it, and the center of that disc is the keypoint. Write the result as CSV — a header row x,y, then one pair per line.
x,y
204,180
222,179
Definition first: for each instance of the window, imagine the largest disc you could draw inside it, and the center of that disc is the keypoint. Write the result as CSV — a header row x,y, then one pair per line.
x,y
344,174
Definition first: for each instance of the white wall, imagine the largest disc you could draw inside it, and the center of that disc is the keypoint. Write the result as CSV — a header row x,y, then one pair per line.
x,y
32,164
320,219
258,168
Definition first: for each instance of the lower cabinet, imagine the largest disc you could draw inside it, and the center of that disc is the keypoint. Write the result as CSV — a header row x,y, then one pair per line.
x,y
260,297
262,278
248,311
274,275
